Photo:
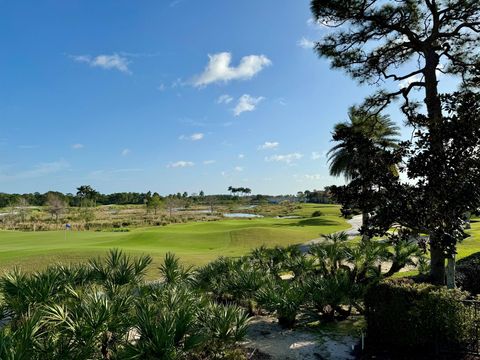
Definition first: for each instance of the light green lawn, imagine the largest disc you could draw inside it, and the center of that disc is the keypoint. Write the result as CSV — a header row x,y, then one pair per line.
x,y
195,243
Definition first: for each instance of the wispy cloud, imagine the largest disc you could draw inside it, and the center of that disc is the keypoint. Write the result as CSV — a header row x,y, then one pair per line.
x,y
125,152
193,137
268,145
108,62
176,2
318,155
224,99
78,146
238,169
287,158
181,164
308,177
306,43
219,69
209,162
246,103
39,170
241,156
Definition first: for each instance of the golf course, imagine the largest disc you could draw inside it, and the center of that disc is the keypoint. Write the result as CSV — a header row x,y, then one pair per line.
x,y
196,243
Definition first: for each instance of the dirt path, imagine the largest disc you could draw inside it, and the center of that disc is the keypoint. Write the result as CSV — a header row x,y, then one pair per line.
x,y
270,341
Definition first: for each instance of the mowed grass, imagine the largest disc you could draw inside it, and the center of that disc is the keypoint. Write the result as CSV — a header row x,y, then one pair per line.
x,y
195,243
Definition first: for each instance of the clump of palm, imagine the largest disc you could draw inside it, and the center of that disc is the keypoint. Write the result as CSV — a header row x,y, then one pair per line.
x,y
274,261
215,278
106,311
177,323
333,295
403,254
119,268
284,298
331,254
173,273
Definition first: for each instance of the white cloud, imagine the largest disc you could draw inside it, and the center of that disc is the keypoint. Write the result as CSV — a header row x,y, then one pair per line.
x,y
238,168
306,43
125,152
181,164
77,146
107,62
241,156
219,69
308,177
224,99
246,103
268,145
161,87
313,176
193,137
209,162
287,158
317,155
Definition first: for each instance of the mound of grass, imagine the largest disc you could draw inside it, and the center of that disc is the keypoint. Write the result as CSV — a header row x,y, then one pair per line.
x,y
195,243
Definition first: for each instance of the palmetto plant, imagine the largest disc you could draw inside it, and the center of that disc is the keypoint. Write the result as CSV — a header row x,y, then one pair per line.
x,y
119,268
284,298
173,272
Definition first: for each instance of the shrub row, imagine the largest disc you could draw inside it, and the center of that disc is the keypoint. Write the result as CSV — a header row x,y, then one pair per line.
x,y
408,318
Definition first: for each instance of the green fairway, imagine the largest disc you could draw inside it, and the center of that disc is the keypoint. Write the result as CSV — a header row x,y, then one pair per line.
x,y
195,243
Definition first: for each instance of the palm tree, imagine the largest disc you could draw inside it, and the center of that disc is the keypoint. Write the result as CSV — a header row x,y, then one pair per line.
x,y
346,158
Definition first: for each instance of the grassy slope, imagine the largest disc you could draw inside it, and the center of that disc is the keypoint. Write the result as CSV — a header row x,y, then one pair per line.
x,y
195,243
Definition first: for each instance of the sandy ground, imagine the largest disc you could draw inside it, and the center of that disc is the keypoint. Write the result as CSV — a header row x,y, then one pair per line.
x,y
270,341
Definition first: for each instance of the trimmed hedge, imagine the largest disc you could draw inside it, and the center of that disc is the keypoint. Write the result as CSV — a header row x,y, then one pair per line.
x,y
404,317
468,273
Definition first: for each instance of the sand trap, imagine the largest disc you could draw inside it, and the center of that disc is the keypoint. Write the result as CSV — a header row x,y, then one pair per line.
x,y
273,342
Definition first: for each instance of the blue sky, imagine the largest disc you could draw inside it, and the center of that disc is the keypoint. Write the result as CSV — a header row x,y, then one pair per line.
x,y
164,95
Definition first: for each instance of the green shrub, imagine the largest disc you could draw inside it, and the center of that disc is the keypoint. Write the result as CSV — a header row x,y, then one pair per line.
x,y
468,273
404,317
317,213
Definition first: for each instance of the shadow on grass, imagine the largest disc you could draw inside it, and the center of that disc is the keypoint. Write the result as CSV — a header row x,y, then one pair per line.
x,y
310,222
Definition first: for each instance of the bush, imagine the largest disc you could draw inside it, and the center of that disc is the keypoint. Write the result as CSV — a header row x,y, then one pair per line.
x,y
468,273
317,213
404,317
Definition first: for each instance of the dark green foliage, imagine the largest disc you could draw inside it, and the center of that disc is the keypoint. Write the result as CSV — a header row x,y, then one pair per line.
x,y
468,273
283,298
317,213
412,41
405,317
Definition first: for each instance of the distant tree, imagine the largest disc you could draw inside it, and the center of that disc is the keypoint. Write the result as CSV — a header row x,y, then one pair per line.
x,y
87,195
172,203
155,202
201,194
21,208
56,205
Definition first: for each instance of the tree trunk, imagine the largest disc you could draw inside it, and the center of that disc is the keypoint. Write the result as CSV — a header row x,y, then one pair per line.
x,y
434,109
451,272
437,265
365,218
